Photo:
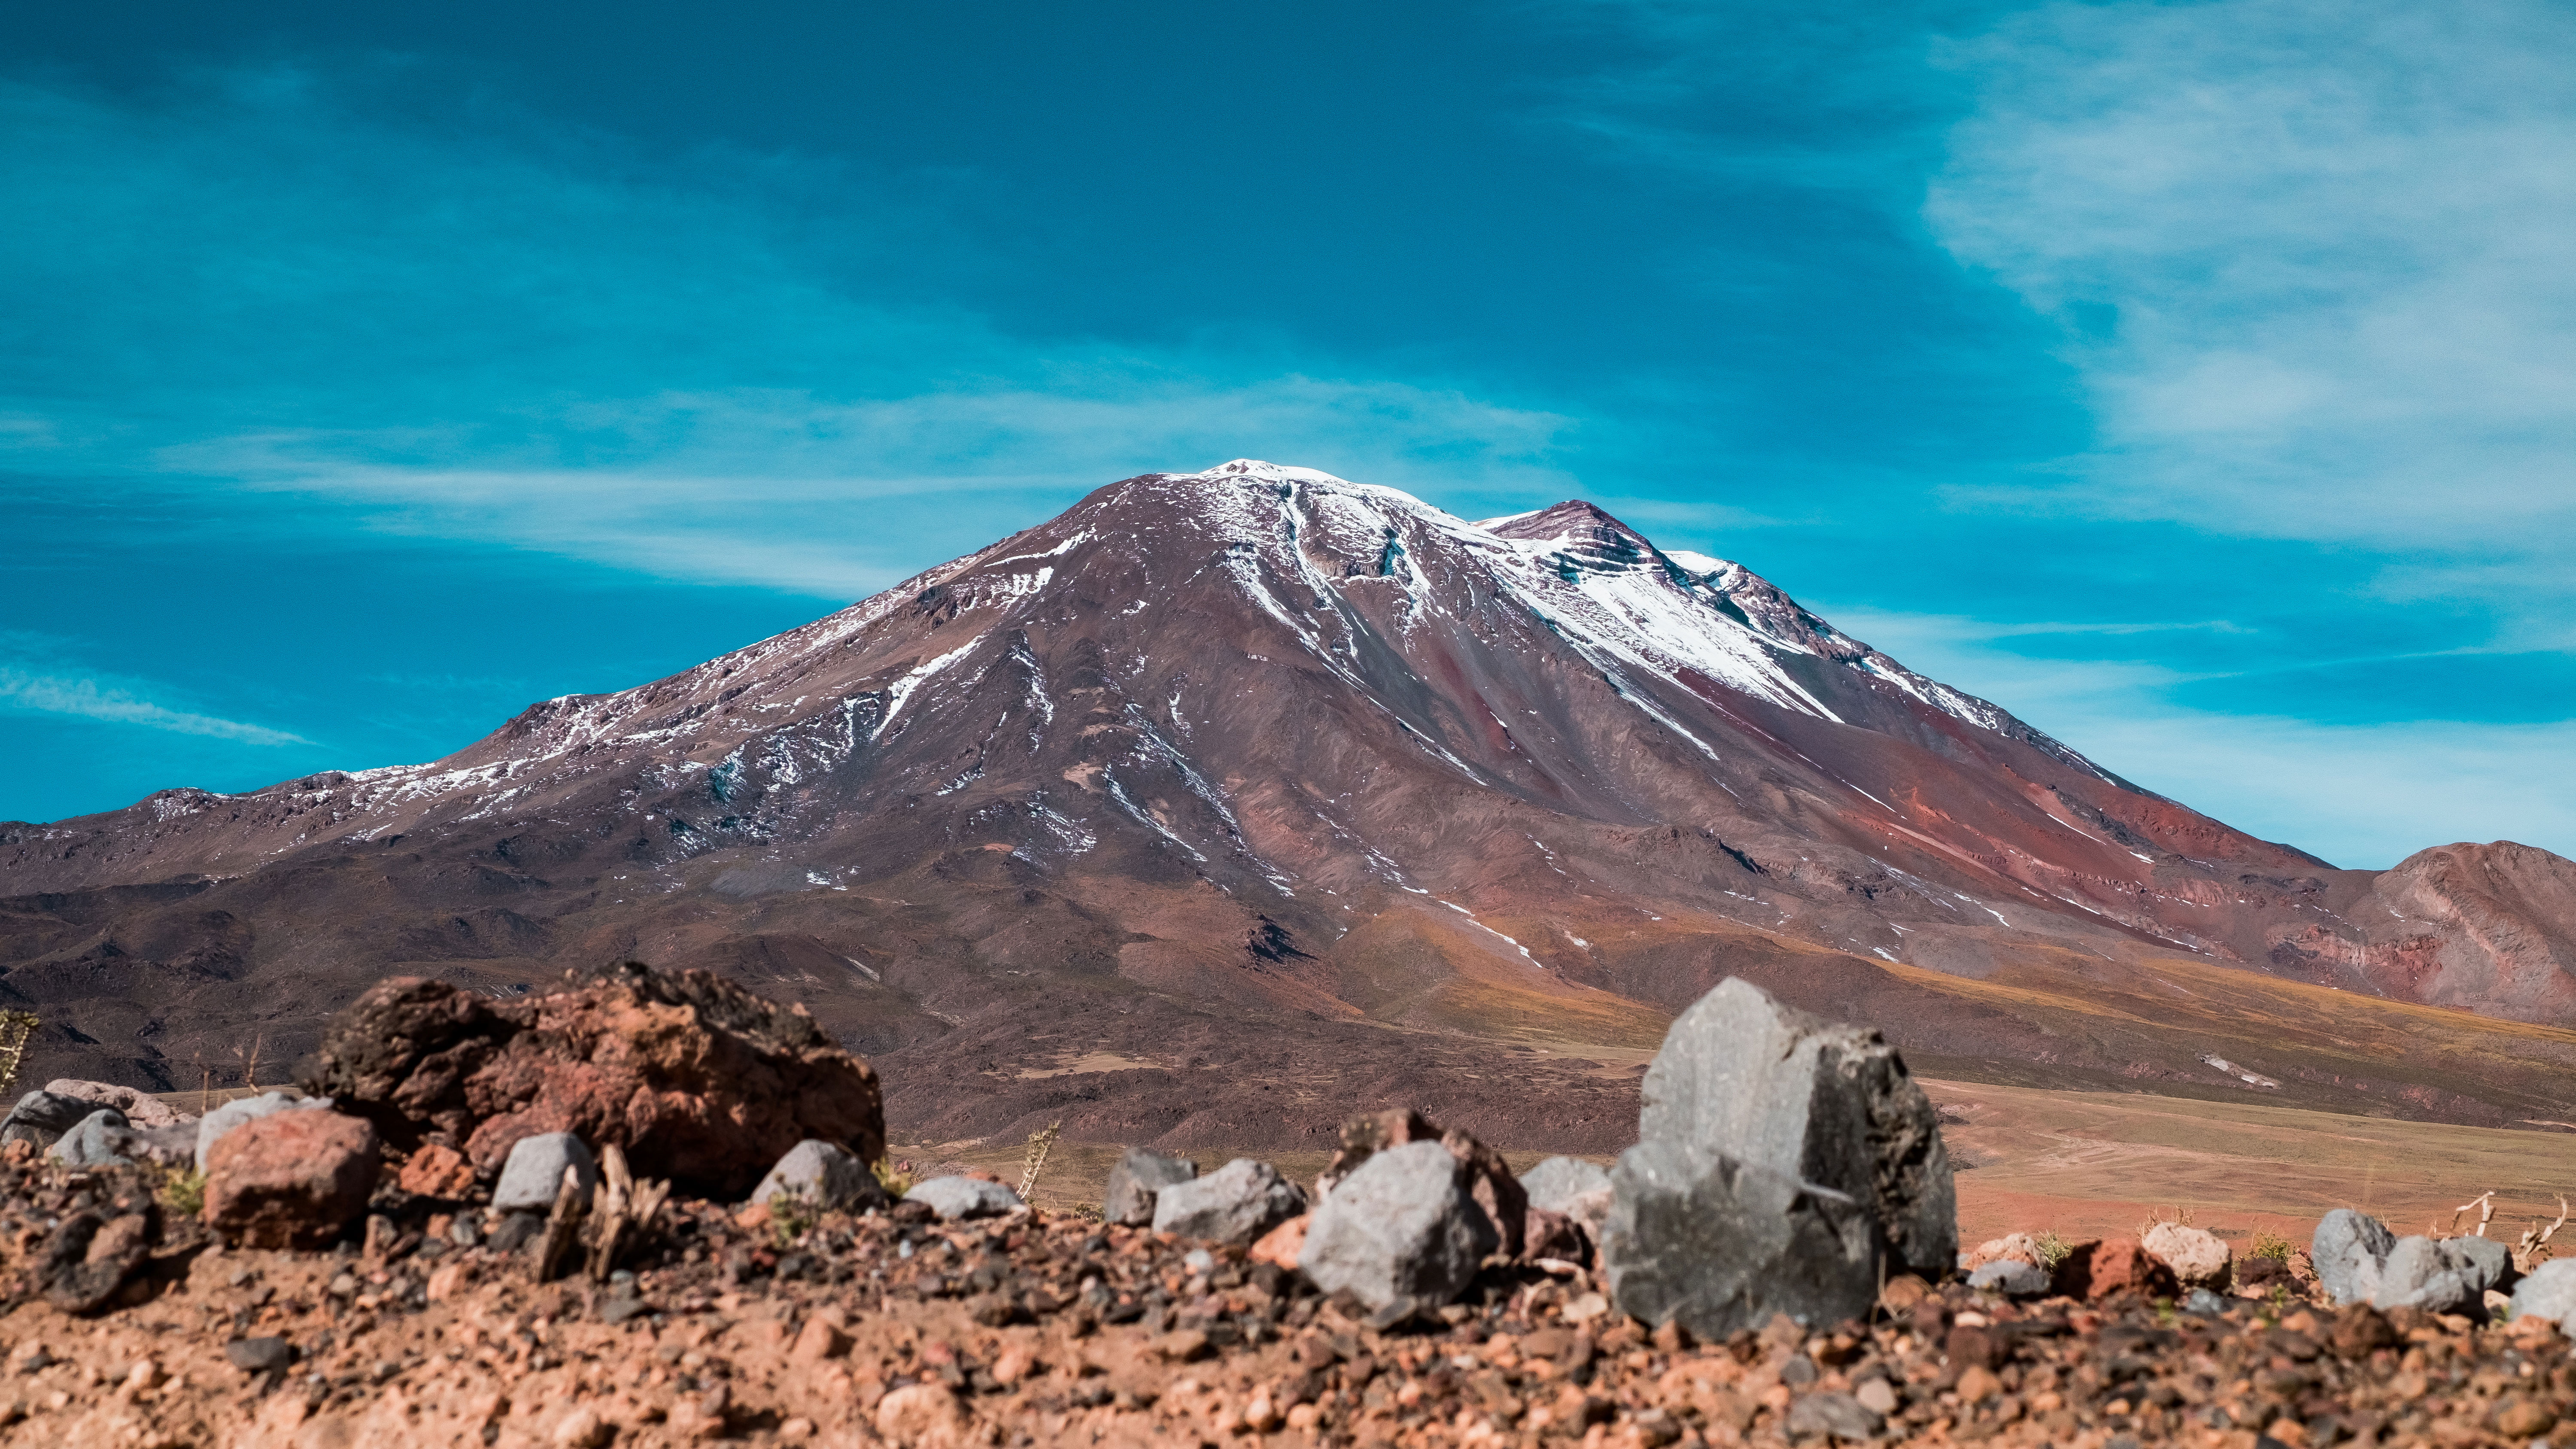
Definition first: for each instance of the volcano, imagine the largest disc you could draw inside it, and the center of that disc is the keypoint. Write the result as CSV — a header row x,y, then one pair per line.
x,y
1226,799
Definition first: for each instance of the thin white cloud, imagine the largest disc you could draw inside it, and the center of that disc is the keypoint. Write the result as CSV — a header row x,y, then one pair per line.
x,y
2317,261
838,498
23,689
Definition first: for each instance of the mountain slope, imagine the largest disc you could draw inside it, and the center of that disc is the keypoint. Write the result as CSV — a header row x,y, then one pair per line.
x,y
1257,757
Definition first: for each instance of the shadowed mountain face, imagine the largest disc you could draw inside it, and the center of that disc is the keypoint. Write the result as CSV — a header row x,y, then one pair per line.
x,y
1227,799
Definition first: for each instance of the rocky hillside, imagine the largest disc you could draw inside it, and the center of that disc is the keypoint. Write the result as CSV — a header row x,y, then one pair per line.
x,y
1225,787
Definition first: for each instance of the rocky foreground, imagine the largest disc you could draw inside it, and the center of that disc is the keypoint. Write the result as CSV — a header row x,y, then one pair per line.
x,y
460,1244
1036,1329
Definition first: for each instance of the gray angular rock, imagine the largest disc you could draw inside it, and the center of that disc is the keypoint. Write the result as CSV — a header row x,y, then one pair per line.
x,y
1135,1180
94,1141
1559,1181
1578,1189
259,1355
2345,1247
172,1146
1403,1233
1833,1414
1742,1077
2548,1291
824,1174
2445,1276
141,1108
212,1126
964,1197
42,1117
1717,1244
2359,1261
2011,1277
533,1174
1234,1204
2203,1303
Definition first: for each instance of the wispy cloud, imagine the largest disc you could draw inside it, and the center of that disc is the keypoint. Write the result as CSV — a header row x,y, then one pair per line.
x,y
23,689
838,497
2317,261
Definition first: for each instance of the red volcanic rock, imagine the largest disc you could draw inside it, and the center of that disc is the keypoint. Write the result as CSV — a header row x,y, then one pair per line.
x,y
695,1078
436,1171
2116,1265
290,1179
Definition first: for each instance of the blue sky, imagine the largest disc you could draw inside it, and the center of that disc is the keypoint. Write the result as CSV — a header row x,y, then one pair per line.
x,y
2194,380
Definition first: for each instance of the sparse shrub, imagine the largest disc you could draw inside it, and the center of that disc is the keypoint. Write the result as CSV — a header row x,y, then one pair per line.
x,y
2051,1248
792,1215
895,1177
2180,1219
183,1190
2268,1244
15,1028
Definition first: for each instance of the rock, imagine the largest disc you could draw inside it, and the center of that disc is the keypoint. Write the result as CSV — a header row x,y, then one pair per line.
x,y
212,1127
259,1355
2019,1246
89,1256
2548,1291
89,1144
515,1231
533,1175
2011,1277
41,1117
1137,1176
171,1146
1547,1234
2347,1247
1234,1204
964,1197
1403,1232
2115,1266
1717,1244
694,1078
2202,1303
2448,1276
818,1341
2255,1276
825,1175
1280,1246
2197,1257
1741,1076
1572,1188
923,1416
1556,1183
1836,1414
439,1172
2359,1261
1491,1184
290,1179
141,1108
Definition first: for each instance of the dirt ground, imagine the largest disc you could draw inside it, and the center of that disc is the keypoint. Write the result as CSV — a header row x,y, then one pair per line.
x,y
2091,1164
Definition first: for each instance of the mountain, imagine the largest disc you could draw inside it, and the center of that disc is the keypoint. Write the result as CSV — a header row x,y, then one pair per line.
x,y
1224,796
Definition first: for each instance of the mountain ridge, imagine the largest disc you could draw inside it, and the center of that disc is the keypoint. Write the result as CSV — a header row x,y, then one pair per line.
x,y
1240,748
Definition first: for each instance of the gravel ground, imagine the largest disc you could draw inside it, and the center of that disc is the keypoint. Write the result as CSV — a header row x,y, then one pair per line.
x,y
1043,1329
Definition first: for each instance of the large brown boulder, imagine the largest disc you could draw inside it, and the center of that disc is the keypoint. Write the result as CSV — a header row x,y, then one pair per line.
x,y
290,1179
695,1078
